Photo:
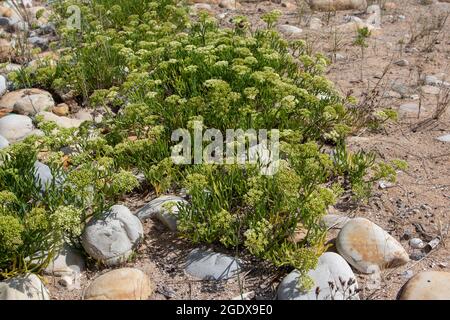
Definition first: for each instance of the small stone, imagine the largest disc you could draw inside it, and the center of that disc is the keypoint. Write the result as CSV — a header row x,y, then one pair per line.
x,y
335,221
431,90
444,138
330,268
208,265
111,237
402,63
401,89
40,42
245,296
28,287
417,255
290,31
61,110
15,127
385,184
408,274
430,285
416,243
120,284
365,245
410,107
165,208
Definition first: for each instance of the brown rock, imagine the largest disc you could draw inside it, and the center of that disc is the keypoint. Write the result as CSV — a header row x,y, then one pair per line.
x,y
430,285
8,101
5,12
120,284
368,248
389,6
61,109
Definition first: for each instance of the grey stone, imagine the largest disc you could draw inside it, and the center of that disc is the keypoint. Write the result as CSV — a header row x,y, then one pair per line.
x,y
416,243
3,85
402,63
111,237
164,208
3,142
15,127
28,287
290,31
334,221
331,268
208,265
410,107
39,42
66,262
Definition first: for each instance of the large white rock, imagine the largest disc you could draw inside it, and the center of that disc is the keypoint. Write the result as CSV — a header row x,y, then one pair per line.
x,y
336,5
15,127
3,142
63,122
368,248
120,284
33,103
331,268
111,237
165,208
28,287
430,285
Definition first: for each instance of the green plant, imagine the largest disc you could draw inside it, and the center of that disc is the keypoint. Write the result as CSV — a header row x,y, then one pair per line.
x,y
159,72
362,34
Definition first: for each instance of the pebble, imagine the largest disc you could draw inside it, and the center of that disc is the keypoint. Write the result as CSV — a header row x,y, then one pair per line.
x,y
416,243
207,265
290,31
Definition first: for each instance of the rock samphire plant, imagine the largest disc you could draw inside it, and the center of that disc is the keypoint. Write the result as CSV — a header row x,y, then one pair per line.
x,y
152,70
